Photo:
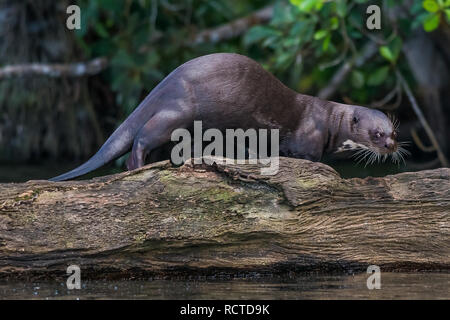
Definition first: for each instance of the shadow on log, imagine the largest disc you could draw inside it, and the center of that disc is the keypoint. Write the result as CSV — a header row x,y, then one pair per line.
x,y
200,220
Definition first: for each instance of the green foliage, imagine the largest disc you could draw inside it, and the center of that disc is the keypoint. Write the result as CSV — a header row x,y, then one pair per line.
x,y
392,51
304,43
436,10
358,79
308,40
146,39
378,77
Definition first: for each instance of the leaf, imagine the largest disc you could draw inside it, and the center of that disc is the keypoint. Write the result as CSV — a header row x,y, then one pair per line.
x,y
419,20
357,79
447,13
392,51
391,3
304,5
341,8
258,33
326,42
308,33
334,22
431,22
430,5
284,60
415,8
319,5
320,34
396,47
387,53
122,59
282,14
298,28
378,77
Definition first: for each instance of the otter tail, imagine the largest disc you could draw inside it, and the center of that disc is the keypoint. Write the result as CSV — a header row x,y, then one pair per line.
x,y
112,149
116,145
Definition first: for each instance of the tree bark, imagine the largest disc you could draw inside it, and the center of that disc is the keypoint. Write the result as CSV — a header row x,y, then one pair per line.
x,y
225,220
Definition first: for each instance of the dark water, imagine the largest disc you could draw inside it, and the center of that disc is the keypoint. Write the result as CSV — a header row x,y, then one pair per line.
x,y
393,286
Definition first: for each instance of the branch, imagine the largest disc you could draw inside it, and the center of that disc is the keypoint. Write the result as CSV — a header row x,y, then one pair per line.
x,y
422,119
78,69
383,103
224,32
234,28
228,219
339,77
419,142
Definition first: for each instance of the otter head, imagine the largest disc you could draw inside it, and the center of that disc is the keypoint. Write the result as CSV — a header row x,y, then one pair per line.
x,y
373,135
373,129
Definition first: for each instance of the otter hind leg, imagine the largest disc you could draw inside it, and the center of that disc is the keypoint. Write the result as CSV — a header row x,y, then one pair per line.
x,y
155,133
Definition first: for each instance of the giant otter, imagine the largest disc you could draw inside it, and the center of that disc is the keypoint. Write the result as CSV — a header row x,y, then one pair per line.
x,y
226,90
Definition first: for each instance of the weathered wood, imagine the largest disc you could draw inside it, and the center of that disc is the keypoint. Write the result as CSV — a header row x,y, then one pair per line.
x,y
202,220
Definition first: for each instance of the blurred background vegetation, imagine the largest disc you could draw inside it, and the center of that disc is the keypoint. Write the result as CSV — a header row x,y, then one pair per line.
x,y
316,47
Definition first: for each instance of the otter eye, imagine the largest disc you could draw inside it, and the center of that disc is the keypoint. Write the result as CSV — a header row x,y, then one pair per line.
x,y
379,135
355,120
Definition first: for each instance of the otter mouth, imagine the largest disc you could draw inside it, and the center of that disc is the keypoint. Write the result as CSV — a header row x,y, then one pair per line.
x,y
371,155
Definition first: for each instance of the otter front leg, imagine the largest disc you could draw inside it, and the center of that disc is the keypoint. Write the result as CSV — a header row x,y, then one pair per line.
x,y
156,132
309,147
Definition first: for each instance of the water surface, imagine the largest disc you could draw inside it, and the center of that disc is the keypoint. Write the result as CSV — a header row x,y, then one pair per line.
x,y
393,286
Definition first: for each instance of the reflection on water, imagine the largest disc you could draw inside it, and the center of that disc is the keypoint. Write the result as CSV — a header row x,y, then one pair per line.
x,y
393,286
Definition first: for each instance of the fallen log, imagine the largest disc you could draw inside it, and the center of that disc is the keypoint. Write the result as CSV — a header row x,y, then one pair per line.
x,y
205,220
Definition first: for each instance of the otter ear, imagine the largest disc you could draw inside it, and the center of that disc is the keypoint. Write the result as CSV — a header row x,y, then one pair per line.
x,y
355,119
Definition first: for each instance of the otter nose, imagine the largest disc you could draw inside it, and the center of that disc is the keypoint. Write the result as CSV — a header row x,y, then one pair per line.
x,y
390,144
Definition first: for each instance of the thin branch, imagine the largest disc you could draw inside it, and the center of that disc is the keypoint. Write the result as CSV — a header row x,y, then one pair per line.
x,y
422,119
339,77
383,103
370,36
234,28
78,69
419,142
227,31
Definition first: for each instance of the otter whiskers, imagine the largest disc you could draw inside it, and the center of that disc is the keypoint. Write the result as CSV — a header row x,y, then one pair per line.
x,y
401,153
394,120
370,156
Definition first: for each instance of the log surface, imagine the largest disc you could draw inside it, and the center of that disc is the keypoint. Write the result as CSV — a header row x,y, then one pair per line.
x,y
225,219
